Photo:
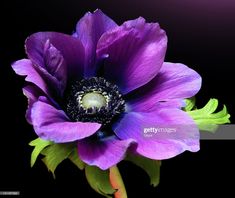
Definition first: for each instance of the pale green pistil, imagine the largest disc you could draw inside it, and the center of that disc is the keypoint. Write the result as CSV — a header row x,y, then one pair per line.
x,y
93,100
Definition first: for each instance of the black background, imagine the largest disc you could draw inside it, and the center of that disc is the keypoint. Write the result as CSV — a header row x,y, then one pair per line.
x,y
201,34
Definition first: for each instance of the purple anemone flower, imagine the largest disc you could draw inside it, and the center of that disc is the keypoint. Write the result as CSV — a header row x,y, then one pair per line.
x,y
102,85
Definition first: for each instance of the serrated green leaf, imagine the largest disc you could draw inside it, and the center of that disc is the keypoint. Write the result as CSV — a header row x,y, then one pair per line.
x,y
76,160
151,167
55,154
207,119
39,144
99,180
117,182
190,104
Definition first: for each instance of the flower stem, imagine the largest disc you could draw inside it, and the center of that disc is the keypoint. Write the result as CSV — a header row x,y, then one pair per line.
x,y
117,182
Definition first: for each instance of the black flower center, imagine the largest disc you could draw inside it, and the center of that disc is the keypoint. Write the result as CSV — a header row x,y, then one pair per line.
x,y
94,100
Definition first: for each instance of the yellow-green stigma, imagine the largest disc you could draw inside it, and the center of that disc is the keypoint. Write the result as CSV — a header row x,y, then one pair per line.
x,y
93,100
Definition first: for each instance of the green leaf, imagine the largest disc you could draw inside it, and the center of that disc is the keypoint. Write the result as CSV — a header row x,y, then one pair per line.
x,y
39,144
190,104
117,182
152,167
76,160
207,119
55,154
99,180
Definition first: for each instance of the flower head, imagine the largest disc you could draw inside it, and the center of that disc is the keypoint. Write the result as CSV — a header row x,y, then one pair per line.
x,y
102,85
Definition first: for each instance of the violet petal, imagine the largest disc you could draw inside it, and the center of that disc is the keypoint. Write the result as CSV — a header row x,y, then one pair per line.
x,y
136,52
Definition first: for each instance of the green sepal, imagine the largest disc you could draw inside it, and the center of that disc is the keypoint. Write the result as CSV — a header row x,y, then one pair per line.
x,y
151,167
190,104
39,144
99,181
76,160
55,154
207,119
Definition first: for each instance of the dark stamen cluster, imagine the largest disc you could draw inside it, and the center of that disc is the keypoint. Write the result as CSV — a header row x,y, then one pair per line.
x,y
78,112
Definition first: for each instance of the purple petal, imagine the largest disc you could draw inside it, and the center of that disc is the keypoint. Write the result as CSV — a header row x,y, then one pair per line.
x,y
104,153
89,29
52,124
25,67
55,66
136,52
175,81
41,44
162,145
32,93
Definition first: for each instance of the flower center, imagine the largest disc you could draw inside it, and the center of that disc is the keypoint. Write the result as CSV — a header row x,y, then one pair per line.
x,y
94,100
